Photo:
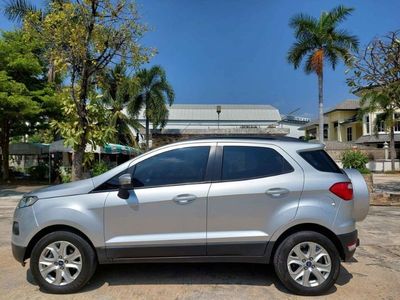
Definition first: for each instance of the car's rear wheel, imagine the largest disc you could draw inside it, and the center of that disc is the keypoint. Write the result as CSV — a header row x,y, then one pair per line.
x,y
307,263
62,262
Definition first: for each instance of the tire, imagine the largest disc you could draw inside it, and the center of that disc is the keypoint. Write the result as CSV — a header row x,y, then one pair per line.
x,y
295,279
75,273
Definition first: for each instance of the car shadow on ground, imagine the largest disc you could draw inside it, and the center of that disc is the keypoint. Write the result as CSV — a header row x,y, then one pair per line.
x,y
187,274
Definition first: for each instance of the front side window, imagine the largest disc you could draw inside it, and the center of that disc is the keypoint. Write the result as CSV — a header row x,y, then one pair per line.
x,y
241,163
179,166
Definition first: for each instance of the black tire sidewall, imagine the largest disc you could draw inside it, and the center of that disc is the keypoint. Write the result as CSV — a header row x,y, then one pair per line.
x,y
89,262
282,253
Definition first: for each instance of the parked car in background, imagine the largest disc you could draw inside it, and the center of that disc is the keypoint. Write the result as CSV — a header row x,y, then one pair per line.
x,y
255,200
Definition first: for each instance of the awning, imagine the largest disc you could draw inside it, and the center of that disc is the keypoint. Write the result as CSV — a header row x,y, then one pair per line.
x,y
28,149
58,146
119,149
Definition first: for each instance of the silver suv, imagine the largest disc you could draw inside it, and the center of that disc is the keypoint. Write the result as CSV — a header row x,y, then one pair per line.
x,y
253,200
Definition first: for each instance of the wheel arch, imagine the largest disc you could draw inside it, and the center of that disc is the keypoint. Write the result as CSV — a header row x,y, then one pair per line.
x,y
53,228
272,247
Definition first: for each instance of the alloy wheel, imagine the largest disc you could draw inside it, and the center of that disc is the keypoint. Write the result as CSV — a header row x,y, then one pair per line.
x,y
309,264
60,263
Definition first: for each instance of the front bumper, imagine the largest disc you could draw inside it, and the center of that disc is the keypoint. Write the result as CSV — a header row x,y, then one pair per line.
x,y
349,243
18,252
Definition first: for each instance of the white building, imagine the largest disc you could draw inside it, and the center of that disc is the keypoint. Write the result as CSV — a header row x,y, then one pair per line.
x,y
203,117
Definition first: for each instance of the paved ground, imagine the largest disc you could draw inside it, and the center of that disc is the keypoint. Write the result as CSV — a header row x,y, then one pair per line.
x,y
389,183
374,274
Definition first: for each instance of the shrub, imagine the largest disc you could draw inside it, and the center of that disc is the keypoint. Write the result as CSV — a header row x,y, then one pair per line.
x,y
355,159
39,172
99,168
65,174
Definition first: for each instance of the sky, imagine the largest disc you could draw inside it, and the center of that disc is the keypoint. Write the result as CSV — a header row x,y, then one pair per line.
x,y
234,51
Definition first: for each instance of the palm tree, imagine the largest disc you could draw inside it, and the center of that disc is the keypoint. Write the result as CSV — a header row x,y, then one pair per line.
x,y
16,10
118,89
320,40
376,100
154,93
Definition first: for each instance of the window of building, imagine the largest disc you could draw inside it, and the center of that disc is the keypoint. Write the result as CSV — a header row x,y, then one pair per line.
x,y
349,134
366,124
241,163
397,122
380,123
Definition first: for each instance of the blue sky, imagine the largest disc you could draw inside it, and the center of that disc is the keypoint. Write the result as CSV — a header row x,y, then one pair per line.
x,y
234,51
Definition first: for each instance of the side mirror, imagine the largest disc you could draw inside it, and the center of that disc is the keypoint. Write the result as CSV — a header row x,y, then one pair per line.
x,y
125,184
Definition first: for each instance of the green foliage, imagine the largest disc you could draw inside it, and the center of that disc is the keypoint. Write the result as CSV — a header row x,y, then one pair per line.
x,y
154,94
26,99
81,39
355,159
118,89
39,172
98,130
321,36
99,168
65,174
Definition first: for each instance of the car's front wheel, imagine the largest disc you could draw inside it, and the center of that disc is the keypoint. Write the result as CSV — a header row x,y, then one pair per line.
x,y
307,263
62,262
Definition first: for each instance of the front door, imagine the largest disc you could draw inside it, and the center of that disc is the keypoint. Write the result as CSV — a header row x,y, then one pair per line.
x,y
258,190
165,214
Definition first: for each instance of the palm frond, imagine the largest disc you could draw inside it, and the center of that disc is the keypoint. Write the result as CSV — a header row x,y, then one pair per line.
x,y
337,15
16,10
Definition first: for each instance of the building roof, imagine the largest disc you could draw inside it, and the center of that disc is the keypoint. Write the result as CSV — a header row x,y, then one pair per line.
x,y
345,105
229,112
314,122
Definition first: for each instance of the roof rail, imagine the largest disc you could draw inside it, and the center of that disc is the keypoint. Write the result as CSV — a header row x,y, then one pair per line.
x,y
250,137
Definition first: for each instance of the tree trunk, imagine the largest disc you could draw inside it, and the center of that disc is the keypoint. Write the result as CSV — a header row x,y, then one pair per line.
x,y
79,151
392,149
4,143
147,125
321,107
147,133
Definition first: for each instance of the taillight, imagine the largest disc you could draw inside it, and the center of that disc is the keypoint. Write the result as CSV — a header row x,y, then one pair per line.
x,y
343,190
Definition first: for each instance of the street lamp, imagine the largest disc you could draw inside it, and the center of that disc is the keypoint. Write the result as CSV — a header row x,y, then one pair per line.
x,y
218,112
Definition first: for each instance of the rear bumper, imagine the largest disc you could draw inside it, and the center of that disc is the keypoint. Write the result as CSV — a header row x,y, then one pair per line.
x,y
18,252
349,243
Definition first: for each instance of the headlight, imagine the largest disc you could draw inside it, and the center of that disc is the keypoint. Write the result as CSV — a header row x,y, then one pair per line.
x,y
27,201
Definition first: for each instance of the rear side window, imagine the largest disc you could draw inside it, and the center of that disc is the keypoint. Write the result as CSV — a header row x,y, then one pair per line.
x,y
241,163
321,161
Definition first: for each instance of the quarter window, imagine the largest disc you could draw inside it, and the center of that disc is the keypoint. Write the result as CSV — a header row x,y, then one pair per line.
x,y
241,163
179,166
321,161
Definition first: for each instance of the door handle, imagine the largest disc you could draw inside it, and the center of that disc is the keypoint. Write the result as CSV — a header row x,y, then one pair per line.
x,y
184,199
277,192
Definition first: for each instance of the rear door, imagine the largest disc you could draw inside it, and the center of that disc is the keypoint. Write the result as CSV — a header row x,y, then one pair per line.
x,y
257,191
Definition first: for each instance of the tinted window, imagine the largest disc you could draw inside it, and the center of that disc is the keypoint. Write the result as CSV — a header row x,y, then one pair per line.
x,y
250,162
185,165
320,160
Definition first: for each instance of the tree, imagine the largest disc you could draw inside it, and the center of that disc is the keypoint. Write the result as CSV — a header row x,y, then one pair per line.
x,y
83,38
154,93
118,89
26,100
321,40
376,78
